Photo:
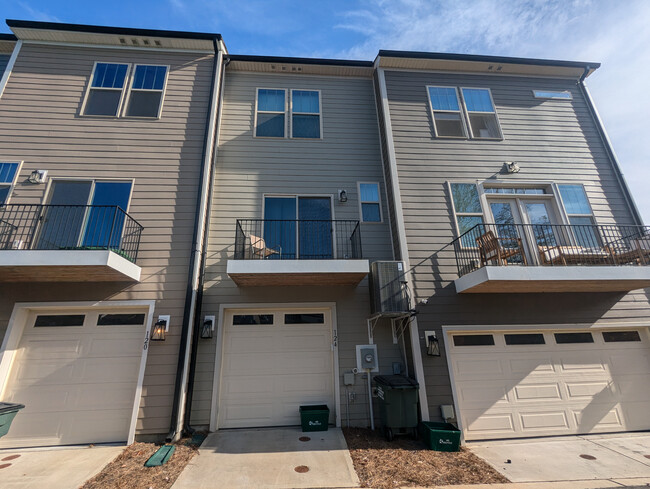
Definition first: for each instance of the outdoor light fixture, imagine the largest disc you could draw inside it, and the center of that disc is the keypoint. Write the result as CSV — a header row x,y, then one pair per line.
x,y
433,347
511,167
343,196
159,330
207,328
37,176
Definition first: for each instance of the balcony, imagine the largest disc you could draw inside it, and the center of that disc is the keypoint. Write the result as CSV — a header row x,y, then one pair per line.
x,y
68,243
515,258
297,252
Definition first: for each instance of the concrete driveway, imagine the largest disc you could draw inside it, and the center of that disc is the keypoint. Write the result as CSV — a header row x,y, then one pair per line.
x,y
270,458
63,468
622,456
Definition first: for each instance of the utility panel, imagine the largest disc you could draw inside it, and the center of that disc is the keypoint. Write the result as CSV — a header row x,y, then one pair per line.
x,y
388,287
367,358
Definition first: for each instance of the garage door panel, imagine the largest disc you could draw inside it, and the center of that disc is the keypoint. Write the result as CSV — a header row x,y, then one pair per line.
x,y
479,367
107,369
537,420
37,348
307,385
537,392
44,371
602,418
588,390
306,341
254,385
479,422
250,342
477,392
531,366
114,347
630,362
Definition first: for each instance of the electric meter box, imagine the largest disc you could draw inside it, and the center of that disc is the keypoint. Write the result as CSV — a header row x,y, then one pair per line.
x,y
367,358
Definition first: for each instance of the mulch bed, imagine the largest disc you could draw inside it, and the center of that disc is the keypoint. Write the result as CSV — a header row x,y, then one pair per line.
x,y
127,471
407,462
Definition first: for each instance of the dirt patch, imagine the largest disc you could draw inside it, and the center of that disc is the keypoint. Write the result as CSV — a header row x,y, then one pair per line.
x,y
127,471
406,462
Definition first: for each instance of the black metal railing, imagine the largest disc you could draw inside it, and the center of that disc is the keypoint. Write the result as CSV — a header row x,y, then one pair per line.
x,y
69,227
551,245
269,239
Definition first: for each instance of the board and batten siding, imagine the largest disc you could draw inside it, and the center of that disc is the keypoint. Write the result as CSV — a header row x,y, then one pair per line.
x,y
248,167
40,124
551,140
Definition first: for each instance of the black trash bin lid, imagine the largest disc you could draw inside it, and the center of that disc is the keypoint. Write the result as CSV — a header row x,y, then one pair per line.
x,y
397,381
7,407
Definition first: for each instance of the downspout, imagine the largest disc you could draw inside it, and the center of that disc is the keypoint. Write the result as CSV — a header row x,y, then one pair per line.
x,y
195,259
187,428
609,148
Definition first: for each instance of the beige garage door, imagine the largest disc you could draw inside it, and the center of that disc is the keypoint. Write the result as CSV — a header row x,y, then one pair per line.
x,y
76,373
523,384
273,362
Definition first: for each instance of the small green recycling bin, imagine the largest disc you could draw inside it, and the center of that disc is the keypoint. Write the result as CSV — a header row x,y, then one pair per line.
x,y
314,418
8,412
398,405
442,437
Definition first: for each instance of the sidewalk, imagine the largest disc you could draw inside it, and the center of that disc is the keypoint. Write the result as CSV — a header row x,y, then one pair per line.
x,y
640,483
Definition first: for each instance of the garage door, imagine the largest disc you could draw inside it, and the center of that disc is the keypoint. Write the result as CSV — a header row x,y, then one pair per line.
x,y
76,373
273,362
522,384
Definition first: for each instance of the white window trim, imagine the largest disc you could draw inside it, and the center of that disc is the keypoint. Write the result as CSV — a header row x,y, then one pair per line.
x,y
566,99
89,87
130,89
378,201
286,118
479,190
12,184
459,112
320,111
565,213
468,112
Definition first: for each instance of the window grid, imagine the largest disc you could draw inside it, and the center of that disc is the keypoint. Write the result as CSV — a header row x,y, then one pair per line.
x,y
371,203
441,103
477,107
258,111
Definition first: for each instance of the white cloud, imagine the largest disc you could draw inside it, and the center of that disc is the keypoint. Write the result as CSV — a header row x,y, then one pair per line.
x,y
614,33
35,14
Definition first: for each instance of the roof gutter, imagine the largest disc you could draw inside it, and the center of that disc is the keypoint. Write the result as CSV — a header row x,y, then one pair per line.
x,y
607,143
198,243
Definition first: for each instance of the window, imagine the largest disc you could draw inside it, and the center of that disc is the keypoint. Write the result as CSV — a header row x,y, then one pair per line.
x,y
242,319
482,116
524,339
106,88
270,113
8,177
304,318
580,215
59,320
120,319
447,119
618,336
369,202
474,340
467,208
564,95
567,338
146,94
305,114
515,190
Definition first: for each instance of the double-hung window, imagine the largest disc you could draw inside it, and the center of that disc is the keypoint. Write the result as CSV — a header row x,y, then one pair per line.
x,y
146,94
580,214
481,114
467,208
106,89
305,114
270,115
8,176
369,202
447,119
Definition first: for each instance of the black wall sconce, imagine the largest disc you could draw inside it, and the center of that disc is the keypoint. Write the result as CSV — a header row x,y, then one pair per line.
x,y
433,346
208,327
343,196
160,328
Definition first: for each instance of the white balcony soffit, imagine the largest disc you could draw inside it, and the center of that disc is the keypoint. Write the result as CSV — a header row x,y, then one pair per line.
x,y
297,272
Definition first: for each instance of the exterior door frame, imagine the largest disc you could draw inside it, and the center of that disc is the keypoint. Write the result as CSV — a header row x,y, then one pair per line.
x,y
216,381
17,323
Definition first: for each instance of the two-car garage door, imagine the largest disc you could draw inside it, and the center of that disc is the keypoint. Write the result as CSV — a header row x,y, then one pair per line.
x,y
538,383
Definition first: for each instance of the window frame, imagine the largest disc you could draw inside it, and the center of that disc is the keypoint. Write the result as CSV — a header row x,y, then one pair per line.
x,y
285,113
455,213
361,202
11,185
120,105
292,112
130,76
468,112
463,122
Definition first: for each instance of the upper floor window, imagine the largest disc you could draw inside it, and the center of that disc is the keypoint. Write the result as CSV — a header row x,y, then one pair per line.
x,y
447,119
305,114
8,176
106,88
481,114
369,202
467,208
564,95
147,87
580,214
270,116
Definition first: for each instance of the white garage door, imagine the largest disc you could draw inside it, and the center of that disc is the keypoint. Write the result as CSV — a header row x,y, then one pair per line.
x,y
522,384
76,373
274,362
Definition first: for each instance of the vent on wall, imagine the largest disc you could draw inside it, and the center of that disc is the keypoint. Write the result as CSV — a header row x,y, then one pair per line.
x,y
387,287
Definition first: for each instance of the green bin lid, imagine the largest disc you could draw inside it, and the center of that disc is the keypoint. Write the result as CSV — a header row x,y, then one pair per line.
x,y
7,407
398,381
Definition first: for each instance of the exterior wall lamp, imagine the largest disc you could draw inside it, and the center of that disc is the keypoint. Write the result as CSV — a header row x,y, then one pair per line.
x,y
160,328
343,196
207,329
37,176
433,346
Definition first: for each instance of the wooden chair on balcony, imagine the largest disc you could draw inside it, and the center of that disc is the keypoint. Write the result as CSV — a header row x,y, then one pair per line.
x,y
638,253
258,249
491,249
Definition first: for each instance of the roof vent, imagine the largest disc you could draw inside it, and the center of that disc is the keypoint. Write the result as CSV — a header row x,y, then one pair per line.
x,y
122,40
146,42
284,68
135,42
158,43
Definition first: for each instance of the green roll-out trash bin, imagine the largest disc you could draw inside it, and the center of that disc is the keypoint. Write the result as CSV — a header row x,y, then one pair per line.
x,y
443,437
398,405
8,412
314,418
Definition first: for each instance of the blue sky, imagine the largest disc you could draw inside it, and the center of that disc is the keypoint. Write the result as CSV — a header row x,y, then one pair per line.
x,y
614,33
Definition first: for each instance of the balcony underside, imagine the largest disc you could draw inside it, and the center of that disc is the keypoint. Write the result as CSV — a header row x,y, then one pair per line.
x,y
66,266
535,279
246,273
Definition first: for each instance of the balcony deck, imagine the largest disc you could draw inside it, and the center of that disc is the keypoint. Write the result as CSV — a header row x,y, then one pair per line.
x,y
517,258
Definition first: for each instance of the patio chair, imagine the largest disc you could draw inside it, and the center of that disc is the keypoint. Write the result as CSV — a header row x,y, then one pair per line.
x,y
491,249
258,249
638,252
573,255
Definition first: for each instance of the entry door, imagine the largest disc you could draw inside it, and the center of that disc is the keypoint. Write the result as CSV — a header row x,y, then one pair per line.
x,y
507,217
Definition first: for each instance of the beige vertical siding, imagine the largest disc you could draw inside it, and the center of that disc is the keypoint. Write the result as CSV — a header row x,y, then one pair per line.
x,y
552,140
249,167
40,125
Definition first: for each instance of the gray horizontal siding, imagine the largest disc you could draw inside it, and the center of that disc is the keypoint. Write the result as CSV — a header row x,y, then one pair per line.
x,y
551,140
4,60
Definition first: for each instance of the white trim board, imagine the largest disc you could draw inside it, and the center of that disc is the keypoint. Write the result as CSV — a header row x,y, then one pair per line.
x,y
9,67
17,325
